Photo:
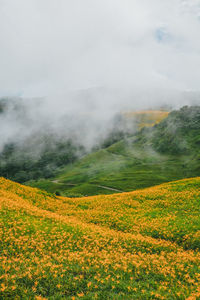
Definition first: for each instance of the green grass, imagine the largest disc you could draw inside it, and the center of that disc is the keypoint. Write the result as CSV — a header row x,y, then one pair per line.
x,y
123,166
168,151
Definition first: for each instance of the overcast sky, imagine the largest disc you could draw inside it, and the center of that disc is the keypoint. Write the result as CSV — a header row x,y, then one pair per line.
x,y
48,46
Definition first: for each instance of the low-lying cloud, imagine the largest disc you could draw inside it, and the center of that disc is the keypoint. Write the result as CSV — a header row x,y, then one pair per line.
x,y
89,60
51,46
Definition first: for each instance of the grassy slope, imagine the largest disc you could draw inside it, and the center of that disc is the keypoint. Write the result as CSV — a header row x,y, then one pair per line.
x,y
124,166
138,245
106,167
169,151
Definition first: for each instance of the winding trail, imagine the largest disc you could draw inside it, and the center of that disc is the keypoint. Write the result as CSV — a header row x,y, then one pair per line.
x,y
101,186
109,188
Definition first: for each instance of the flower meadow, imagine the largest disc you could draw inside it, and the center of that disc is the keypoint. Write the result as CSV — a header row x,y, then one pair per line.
x,y
137,245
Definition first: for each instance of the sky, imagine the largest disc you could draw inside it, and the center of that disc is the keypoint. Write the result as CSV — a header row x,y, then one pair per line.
x,y
49,47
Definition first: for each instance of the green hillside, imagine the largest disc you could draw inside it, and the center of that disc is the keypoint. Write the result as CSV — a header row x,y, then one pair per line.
x,y
48,148
168,151
137,245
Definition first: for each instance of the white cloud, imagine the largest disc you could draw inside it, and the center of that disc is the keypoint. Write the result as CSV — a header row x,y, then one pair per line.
x,y
48,46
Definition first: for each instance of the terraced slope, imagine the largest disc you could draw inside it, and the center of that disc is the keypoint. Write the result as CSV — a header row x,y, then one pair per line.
x,y
138,245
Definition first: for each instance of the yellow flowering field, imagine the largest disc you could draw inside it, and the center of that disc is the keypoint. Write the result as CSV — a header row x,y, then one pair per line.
x,y
137,245
147,117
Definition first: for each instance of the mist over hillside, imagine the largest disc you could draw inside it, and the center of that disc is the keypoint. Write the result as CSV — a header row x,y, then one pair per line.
x,y
87,117
70,71
167,151
68,68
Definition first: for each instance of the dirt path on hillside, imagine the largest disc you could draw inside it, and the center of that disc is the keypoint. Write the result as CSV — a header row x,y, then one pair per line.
x,y
101,186
109,188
